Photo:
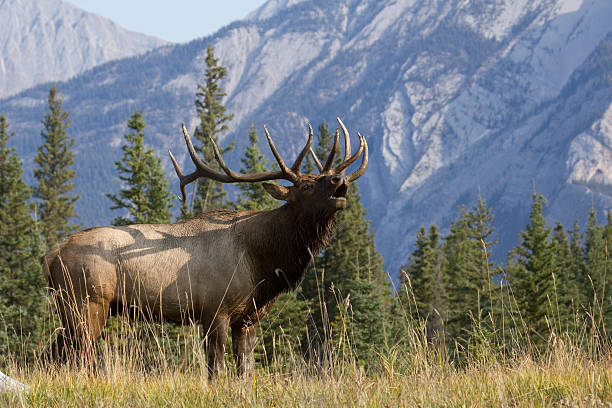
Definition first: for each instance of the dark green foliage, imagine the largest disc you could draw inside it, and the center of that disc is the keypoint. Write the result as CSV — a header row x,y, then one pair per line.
x,y
594,253
213,121
22,299
365,311
467,270
568,299
606,280
54,175
532,282
324,142
596,264
355,286
582,283
145,196
424,283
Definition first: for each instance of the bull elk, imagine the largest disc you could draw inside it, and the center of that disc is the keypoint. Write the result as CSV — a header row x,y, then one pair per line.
x,y
222,269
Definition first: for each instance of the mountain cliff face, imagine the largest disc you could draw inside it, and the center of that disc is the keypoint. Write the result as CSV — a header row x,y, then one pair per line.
x,y
50,40
454,97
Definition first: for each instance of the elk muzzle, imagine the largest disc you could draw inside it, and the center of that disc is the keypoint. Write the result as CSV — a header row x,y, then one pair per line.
x,y
340,188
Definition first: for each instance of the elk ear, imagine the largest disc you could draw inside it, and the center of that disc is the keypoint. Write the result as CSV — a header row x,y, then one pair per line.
x,y
277,191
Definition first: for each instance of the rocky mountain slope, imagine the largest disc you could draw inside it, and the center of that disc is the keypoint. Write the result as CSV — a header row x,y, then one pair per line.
x,y
455,97
51,40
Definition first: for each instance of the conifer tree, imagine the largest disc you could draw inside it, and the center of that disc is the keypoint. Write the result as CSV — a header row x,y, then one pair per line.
x,y
425,283
468,269
144,199
583,285
54,175
354,271
419,275
146,195
324,141
568,297
210,194
606,280
21,280
595,265
532,281
462,292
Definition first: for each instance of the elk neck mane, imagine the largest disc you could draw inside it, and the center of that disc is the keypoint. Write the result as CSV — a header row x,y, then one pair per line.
x,y
281,245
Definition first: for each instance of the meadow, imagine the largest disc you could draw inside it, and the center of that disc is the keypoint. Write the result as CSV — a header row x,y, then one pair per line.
x,y
149,365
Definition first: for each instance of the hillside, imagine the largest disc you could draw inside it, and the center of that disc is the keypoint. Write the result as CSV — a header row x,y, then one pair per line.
x,y
454,97
51,40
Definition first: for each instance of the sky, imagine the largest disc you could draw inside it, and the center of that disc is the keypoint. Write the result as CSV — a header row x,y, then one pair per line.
x,y
176,21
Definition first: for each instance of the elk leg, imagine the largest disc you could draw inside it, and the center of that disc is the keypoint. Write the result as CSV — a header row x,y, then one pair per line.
x,y
63,345
243,342
96,315
215,340
81,327
57,352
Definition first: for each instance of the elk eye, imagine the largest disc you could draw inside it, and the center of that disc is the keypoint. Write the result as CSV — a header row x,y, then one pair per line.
x,y
307,187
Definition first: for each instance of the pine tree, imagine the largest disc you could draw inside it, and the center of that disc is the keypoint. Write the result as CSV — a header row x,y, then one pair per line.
x,y
532,281
568,296
324,141
578,268
366,311
54,159
210,194
21,280
467,270
354,270
146,195
424,280
595,264
606,280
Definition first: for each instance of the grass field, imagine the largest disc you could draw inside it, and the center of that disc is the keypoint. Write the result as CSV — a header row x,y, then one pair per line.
x,y
564,376
139,365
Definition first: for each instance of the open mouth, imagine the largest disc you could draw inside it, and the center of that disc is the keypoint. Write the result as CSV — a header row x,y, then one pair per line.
x,y
340,192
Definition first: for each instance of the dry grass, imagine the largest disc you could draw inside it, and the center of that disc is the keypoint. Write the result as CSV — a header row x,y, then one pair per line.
x,y
564,377
138,367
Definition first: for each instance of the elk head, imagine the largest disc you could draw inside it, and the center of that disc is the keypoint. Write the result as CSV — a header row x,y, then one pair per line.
x,y
324,192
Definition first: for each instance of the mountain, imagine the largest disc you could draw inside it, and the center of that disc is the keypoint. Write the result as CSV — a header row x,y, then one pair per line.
x,y
51,40
454,97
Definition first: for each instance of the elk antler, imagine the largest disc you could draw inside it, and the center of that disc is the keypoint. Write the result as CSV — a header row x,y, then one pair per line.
x,y
291,174
202,170
348,159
